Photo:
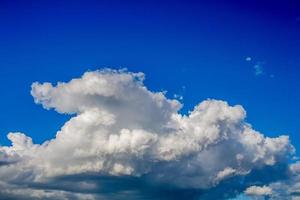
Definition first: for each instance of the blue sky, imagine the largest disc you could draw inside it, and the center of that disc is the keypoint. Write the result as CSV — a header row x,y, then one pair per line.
x,y
198,50
242,52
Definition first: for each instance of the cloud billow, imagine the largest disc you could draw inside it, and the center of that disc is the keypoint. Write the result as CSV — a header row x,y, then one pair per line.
x,y
127,141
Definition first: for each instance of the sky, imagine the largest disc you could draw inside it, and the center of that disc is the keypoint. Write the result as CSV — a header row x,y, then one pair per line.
x,y
241,52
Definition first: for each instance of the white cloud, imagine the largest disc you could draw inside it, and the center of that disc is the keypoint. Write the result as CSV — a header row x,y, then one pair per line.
x,y
248,59
257,190
227,172
120,128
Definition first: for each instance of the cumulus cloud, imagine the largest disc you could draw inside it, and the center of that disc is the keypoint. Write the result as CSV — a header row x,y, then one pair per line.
x,y
122,133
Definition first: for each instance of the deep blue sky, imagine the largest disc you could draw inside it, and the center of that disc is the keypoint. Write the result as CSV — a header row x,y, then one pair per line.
x,y
198,50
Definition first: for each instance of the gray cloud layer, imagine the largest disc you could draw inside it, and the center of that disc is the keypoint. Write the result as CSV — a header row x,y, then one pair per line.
x,y
127,141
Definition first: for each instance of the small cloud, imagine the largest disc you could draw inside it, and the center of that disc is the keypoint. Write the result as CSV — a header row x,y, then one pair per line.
x,y
258,69
180,93
248,59
258,191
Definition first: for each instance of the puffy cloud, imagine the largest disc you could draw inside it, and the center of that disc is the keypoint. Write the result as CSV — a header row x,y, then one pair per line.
x,y
260,191
121,129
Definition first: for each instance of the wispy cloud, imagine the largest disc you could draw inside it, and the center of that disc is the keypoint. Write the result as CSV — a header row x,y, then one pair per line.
x,y
258,69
